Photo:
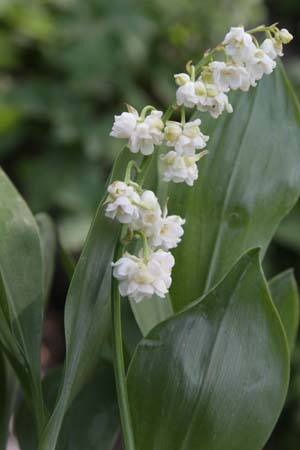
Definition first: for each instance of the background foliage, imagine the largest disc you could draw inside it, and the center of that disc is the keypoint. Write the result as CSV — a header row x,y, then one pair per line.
x,y
67,66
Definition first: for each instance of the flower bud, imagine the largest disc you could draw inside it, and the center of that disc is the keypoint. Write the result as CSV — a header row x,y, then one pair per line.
x,y
181,78
284,36
172,131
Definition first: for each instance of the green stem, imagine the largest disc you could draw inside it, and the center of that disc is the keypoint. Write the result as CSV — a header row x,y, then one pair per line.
x,y
119,366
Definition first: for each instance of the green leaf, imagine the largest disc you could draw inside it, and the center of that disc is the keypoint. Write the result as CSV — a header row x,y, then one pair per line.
x,y
214,376
21,290
247,184
150,313
49,248
87,312
284,291
92,420
7,395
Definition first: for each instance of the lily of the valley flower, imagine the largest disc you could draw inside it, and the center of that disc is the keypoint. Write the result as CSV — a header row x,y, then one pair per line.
x,y
142,277
260,64
230,76
169,232
239,45
272,48
143,133
180,168
215,101
185,139
121,203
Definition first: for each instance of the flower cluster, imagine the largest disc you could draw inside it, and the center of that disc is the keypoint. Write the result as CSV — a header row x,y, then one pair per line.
x,y
150,273
245,63
205,88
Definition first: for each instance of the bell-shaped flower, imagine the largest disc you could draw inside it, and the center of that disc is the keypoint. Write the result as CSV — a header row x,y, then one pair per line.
x,y
272,48
239,44
180,168
169,233
230,76
142,277
122,203
185,139
143,133
260,64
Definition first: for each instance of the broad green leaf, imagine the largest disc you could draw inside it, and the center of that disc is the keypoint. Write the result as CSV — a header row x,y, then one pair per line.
x,y
247,184
87,312
21,290
49,247
92,421
285,296
214,376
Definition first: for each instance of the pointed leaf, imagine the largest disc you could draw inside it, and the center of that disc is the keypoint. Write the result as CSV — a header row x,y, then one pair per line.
x,y
284,291
214,376
21,289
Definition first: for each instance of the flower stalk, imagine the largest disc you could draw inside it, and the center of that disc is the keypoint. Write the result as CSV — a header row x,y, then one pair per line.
x,y
119,366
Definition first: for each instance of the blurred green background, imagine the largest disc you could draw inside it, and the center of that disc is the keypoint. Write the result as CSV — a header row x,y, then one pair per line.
x,y
67,66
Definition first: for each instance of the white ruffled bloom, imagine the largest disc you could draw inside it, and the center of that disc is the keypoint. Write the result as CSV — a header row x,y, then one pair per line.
x,y
180,168
230,76
239,44
149,214
272,48
260,64
185,139
147,134
142,134
215,101
169,233
141,278
121,203
186,95
124,125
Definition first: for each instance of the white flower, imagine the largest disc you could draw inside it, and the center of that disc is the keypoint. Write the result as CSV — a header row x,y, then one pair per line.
x,y
186,95
149,214
121,203
141,278
284,36
122,210
260,64
169,233
124,124
179,169
272,48
185,139
239,44
215,101
143,134
120,189
147,134
230,76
